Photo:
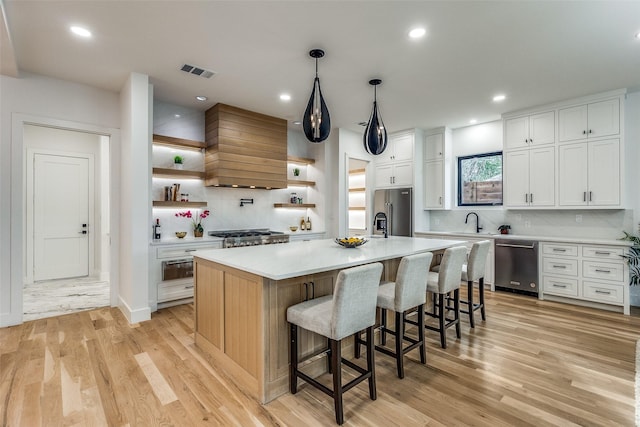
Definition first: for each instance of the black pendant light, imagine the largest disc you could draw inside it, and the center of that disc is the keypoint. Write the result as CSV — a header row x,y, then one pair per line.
x,y
375,134
316,122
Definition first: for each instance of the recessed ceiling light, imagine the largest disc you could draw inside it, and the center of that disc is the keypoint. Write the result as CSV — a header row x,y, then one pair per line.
x,y
297,122
473,121
177,116
80,31
201,98
638,36
285,97
416,33
499,98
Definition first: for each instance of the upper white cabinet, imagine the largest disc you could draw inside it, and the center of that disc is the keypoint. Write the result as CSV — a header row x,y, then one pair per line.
x,y
589,174
529,178
527,131
437,170
394,167
593,120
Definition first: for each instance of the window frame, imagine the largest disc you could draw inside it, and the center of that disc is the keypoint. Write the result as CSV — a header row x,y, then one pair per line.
x,y
459,186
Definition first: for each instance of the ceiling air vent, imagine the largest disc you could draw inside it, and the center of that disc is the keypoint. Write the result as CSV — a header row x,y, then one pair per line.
x,y
191,69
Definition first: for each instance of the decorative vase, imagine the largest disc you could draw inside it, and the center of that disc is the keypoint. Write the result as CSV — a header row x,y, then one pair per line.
x,y
177,166
197,232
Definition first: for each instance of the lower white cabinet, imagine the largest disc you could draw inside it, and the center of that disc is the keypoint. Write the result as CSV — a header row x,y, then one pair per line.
x,y
585,272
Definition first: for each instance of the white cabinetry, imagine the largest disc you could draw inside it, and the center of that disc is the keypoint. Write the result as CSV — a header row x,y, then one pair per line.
x,y
437,170
527,131
592,273
394,167
529,177
589,173
594,120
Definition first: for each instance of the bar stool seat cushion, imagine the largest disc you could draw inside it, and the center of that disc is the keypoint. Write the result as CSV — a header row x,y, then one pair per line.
x,y
432,282
464,273
313,315
387,295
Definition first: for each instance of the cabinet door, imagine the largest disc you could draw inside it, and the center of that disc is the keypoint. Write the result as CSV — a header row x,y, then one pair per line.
x,y
516,133
542,181
434,147
604,173
572,123
516,178
572,174
402,146
433,185
604,118
542,128
403,174
383,175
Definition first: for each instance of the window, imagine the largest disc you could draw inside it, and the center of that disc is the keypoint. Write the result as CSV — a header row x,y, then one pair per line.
x,y
480,180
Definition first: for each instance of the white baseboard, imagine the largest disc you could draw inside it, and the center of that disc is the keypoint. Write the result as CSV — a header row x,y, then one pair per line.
x,y
10,319
134,316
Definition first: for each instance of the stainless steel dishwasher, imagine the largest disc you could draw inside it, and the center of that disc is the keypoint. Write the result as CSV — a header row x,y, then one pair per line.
x,y
516,265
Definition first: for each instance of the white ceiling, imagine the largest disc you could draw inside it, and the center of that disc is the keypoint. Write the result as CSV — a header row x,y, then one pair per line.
x,y
534,52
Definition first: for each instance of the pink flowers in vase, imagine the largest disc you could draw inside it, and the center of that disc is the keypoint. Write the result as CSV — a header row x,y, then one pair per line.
x,y
196,219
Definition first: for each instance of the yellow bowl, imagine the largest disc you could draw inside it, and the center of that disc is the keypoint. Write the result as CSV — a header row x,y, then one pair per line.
x,y
293,228
351,242
180,234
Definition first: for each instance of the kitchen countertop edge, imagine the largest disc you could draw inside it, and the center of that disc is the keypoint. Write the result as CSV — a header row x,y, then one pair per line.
x,y
558,239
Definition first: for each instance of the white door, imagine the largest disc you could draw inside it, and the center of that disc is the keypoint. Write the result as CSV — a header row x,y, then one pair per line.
x,y
402,147
517,132
604,118
542,128
434,147
516,178
383,175
604,173
542,175
572,123
572,179
403,174
433,185
61,217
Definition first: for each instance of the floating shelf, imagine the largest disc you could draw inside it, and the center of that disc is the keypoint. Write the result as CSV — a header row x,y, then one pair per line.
x,y
178,142
356,171
176,173
357,190
357,208
301,160
165,204
300,183
294,205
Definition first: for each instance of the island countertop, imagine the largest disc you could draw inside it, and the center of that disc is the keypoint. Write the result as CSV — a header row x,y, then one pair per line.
x,y
294,259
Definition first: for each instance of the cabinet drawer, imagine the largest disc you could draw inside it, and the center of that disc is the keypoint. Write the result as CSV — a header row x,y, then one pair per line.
x,y
603,270
560,250
560,286
565,267
614,254
169,291
184,251
603,292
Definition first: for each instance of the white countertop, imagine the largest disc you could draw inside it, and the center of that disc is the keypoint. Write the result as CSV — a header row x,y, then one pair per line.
x,y
582,240
299,258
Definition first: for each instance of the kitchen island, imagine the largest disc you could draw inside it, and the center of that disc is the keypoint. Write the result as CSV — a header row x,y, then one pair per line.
x,y
242,294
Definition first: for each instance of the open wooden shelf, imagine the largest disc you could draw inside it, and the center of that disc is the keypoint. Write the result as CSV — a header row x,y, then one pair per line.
x,y
178,142
300,183
166,204
356,171
357,208
294,205
176,173
357,190
301,160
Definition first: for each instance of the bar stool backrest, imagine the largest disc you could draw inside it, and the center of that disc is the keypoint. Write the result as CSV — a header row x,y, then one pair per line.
x,y
450,269
354,300
411,281
477,260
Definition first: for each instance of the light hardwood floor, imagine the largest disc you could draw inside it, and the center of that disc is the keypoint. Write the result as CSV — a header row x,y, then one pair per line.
x,y
532,363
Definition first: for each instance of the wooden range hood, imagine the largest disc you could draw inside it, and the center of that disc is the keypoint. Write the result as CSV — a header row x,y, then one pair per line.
x,y
244,149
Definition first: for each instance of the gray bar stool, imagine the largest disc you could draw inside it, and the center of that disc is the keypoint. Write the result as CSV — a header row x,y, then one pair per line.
x,y
474,270
447,280
351,309
403,296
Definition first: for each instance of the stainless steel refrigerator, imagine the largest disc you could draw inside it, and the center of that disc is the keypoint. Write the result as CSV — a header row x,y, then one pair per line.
x,y
397,206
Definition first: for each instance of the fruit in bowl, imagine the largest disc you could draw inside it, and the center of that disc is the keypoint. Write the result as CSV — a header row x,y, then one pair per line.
x,y
180,234
351,242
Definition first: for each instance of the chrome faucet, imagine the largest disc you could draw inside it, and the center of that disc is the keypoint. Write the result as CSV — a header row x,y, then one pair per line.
x,y
383,221
478,228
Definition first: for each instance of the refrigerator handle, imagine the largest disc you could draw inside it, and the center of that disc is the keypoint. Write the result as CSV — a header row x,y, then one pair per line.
x,y
390,220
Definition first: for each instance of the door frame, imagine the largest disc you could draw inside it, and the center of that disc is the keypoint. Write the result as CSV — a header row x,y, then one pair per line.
x,y
29,206
347,161
17,212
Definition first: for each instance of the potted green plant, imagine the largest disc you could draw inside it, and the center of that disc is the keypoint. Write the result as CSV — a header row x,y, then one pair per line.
x,y
296,172
177,162
504,229
633,258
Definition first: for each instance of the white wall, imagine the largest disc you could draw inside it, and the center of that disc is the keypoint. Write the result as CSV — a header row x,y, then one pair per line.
x,y
39,100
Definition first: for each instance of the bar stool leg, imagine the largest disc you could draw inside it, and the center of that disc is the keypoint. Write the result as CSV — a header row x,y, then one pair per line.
x,y
441,320
423,348
337,380
470,303
357,341
481,291
399,340
329,364
371,366
293,353
456,308
383,332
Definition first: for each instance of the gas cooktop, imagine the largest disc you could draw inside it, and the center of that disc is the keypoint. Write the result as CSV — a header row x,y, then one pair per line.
x,y
250,237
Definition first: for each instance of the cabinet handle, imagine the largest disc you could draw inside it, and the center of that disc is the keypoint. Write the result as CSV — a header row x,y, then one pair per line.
x,y
440,200
590,131
189,287
526,141
584,132
555,285
590,196
313,290
559,266
602,271
559,250
531,198
306,291
190,250
598,291
584,196
440,153
602,253
526,197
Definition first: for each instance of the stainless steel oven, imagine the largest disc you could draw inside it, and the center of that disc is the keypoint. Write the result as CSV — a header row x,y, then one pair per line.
x,y
177,269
